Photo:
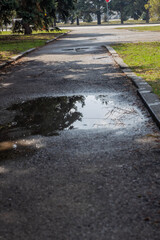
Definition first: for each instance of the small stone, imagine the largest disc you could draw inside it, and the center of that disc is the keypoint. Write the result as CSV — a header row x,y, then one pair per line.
x,y
14,123
14,146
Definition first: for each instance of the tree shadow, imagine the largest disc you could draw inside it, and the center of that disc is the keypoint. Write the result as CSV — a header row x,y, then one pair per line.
x,y
32,84
41,116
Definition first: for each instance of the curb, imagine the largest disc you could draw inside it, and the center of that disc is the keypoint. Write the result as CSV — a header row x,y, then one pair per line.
x,y
144,90
22,54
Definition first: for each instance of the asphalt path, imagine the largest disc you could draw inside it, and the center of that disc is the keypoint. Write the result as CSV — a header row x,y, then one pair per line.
x,y
79,153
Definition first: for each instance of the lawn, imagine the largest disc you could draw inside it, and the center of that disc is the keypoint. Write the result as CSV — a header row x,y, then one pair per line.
x,y
13,44
144,60
144,28
110,22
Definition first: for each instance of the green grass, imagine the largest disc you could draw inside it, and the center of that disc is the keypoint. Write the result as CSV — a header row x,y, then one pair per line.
x,y
9,49
144,60
13,44
34,32
141,29
115,22
103,23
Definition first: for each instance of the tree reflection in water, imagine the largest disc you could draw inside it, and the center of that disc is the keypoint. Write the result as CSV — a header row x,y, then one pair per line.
x,y
46,115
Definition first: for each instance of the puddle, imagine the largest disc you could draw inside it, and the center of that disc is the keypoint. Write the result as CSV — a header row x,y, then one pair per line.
x,y
81,49
48,116
68,49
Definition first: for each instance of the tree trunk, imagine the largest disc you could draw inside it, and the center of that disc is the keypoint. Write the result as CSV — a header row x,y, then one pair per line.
x,y
105,17
77,21
27,29
55,22
72,20
66,20
147,16
122,18
98,18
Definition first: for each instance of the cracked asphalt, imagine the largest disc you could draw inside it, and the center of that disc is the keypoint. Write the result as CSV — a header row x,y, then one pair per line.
x,y
63,181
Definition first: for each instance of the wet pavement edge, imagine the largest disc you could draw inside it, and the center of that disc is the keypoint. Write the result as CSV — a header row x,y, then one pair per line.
x,y
144,90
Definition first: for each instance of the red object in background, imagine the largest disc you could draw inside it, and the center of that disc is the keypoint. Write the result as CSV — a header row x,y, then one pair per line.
x,y
108,1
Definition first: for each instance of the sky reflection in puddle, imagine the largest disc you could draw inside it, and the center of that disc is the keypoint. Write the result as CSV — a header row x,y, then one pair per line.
x,y
49,115
103,112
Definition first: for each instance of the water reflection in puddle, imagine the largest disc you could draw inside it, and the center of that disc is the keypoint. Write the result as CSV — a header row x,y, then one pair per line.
x,y
49,115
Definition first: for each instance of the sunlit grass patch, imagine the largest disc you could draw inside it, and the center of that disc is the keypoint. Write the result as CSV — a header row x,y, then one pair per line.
x,y
144,60
12,44
9,49
144,28
110,22
34,32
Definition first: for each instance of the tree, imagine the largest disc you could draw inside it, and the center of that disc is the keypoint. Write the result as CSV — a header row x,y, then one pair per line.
x,y
6,11
35,12
138,8
64,7
123,7
40,13
98,7
83,10
154,8
88,7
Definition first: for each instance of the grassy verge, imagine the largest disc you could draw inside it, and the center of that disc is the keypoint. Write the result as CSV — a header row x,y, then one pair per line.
x,y
94,23
144,60
141,29
111,22
11,45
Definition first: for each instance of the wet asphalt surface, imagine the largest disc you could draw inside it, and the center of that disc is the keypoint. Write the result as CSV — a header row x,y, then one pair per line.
x,y
79,153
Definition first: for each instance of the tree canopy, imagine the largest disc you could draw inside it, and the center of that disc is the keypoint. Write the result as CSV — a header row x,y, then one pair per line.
x,y
123,7
6,11
128,8
38,13
154,8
